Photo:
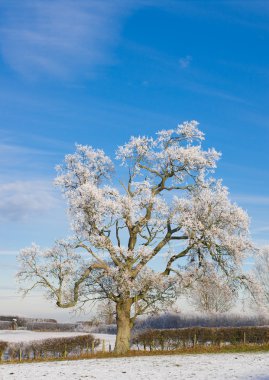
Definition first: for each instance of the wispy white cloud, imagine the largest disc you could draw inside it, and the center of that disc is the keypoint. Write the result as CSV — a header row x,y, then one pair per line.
x,y
185,62
60,37
7,149
252,199
197,80
261,230
21,162
215,92
7,252
22,200
235,12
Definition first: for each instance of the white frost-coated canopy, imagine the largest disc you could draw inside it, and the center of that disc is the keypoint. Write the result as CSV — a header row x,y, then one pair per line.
x,y
168,205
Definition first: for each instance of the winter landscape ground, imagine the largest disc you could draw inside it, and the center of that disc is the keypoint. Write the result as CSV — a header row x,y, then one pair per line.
x,y
196,366
29,336
202,367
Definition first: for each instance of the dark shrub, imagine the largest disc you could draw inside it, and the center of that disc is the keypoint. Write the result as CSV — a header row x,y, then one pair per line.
x,y
187,337
3,347
54,347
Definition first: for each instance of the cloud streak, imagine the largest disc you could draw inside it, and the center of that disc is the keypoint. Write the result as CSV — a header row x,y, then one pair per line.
x,y
184,62
60,37
22,200
257,200
7,252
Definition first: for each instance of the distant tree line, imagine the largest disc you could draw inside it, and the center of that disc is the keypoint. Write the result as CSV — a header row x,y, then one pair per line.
x,y
36,324
179,320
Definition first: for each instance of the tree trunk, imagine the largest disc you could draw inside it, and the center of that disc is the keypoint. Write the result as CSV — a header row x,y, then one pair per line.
x,y
124,326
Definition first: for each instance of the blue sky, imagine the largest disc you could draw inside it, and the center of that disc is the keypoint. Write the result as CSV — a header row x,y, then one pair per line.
x,y
96,72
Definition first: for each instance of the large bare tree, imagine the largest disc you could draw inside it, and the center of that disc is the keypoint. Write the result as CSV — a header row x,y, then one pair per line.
x,y
137,243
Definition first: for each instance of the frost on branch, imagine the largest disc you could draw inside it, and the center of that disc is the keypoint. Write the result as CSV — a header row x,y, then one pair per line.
x,y
166,207
214,225
171,155
87,165
55,269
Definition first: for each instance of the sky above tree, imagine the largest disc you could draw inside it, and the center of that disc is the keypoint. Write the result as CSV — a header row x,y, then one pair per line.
x,y
96,72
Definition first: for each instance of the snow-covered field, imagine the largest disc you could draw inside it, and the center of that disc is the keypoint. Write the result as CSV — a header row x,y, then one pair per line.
x,y
210,366
18,336
185,367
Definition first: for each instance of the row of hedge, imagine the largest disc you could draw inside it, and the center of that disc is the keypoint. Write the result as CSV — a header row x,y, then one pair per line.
x,y
49,348
179,338
171,320
5,325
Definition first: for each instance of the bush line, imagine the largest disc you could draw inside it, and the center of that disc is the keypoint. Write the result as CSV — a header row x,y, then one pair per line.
x,y
182,338
53,348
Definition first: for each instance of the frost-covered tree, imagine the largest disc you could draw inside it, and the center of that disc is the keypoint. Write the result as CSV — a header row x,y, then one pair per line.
x,y
167,207
212,292
261,273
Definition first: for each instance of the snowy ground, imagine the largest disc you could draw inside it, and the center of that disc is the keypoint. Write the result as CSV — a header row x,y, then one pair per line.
x,y
18,336
203,367
185,367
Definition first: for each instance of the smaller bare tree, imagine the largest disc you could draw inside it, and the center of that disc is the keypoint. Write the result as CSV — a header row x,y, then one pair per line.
x,y
212,293
106,312
261,274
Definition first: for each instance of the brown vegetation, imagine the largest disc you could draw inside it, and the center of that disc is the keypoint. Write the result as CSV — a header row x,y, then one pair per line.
x,y
184,338
49,348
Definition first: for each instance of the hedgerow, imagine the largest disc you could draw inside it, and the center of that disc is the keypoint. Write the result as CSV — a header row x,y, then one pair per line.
x,y
55,347
188,337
